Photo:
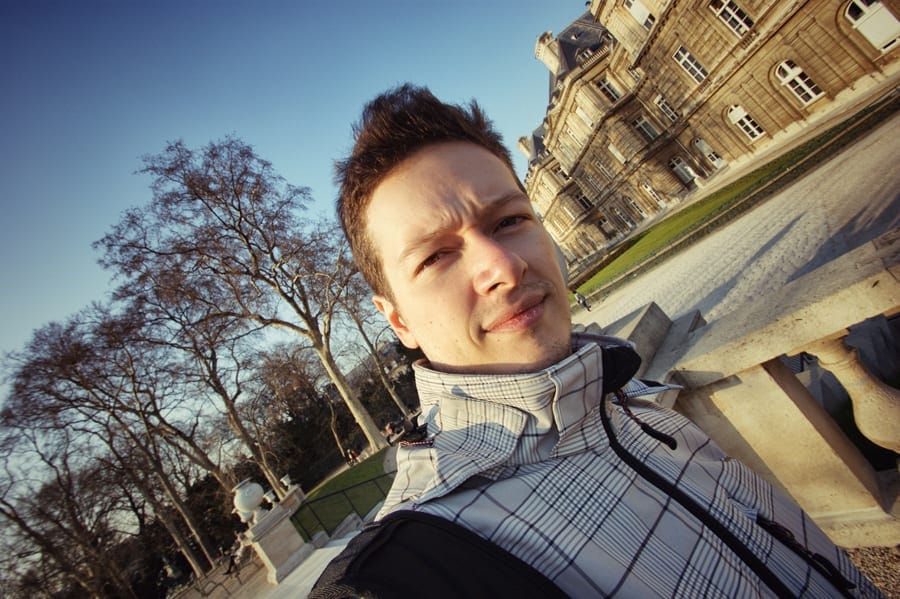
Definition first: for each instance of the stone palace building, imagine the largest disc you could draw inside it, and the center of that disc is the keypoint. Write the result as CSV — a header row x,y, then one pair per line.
x,y
651,99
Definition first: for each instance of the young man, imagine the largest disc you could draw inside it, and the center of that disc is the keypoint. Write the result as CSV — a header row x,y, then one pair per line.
x,y
537,476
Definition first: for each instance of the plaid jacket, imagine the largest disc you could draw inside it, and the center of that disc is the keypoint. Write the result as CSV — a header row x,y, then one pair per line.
x,y
595,497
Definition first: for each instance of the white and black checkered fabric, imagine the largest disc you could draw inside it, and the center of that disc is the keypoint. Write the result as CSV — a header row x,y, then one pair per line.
x,y
524,461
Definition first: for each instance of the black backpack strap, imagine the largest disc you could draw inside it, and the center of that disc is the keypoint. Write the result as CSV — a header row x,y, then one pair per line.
x,y
411,554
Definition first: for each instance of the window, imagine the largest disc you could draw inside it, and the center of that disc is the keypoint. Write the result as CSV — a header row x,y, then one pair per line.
x,y
690,64
732,15
738,116
682,169
609,90
666,108
635,74
792,76
645,128
624,218
583,201
584,116
654,195
601,168
711,155
636,207
874,21
555,227
640,13
617,153
593,183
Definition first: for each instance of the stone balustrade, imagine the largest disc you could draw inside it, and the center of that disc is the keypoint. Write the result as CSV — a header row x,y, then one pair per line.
x,y
740,391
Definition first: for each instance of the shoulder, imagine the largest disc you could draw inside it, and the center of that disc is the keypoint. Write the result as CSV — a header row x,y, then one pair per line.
x,y
409,554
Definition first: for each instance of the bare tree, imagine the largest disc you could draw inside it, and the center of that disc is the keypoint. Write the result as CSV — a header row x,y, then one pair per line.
x,y
163,384
60,515
77,377
224,232
207,359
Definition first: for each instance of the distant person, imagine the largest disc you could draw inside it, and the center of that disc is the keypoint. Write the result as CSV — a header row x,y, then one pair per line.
x,y
581,300
541,474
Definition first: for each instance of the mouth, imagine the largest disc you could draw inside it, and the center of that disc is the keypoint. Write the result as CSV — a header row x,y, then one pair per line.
x,y
522,316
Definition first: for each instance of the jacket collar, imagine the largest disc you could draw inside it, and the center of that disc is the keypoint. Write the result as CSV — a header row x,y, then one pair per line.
x,y
486,424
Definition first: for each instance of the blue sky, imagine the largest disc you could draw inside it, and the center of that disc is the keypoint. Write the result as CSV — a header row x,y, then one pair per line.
x,y
91,86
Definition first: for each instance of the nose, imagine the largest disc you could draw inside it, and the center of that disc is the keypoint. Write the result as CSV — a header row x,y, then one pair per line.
x,y
495,265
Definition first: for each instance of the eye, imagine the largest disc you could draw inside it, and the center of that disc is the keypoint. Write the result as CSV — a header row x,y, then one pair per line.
x,y
429,261
510,221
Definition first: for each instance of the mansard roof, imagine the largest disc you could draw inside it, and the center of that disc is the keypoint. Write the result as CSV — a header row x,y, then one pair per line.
x,y
582,34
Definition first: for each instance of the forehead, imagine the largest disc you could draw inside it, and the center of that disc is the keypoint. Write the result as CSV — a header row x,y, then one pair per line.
x,y
444,173
436,187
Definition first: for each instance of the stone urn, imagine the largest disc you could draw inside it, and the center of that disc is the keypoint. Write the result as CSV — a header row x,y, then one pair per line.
x,y
248,497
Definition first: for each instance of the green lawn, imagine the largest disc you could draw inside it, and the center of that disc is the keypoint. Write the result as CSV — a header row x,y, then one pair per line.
x,y
352,490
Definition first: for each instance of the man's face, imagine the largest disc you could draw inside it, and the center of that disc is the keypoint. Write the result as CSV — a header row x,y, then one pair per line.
x,y
472,271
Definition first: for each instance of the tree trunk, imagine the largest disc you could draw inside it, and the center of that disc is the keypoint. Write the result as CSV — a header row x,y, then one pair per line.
x,y
381,375
334,431
253,447
360,414
185,513
180,541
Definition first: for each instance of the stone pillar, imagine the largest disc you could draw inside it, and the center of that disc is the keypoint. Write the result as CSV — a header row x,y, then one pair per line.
x,y
876,406
806,451
276,540
646,328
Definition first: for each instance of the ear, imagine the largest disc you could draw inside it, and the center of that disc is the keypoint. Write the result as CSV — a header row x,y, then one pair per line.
x,y
390,313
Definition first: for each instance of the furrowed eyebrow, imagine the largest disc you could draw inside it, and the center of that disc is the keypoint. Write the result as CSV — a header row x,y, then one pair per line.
x,y
415,245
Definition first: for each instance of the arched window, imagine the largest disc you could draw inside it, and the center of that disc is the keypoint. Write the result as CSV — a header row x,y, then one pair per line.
x,y
796,79
708,152
636,207
682,169
653,194
624,218
738,116
877,24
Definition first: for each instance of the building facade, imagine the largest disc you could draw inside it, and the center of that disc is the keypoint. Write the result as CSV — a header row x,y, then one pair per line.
x,y
651,99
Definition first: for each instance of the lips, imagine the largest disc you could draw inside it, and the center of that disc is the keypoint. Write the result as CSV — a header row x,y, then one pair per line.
x,y
521,316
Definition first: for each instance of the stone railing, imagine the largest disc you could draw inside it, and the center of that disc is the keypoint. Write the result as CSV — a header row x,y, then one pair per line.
x,y
738,388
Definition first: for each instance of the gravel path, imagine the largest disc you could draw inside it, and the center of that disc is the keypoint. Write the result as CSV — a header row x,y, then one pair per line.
x,y
881,565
